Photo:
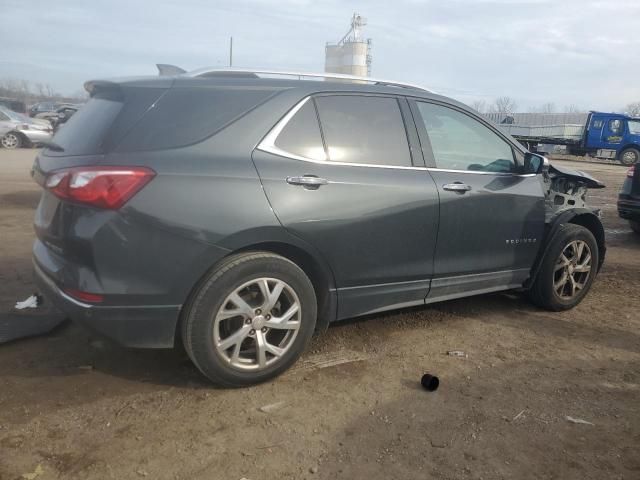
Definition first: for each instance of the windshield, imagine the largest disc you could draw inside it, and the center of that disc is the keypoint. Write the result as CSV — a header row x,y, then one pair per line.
x,y
634,127
18,117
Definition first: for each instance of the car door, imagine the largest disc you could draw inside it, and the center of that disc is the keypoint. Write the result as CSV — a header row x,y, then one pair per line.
x,y
356,192
491,216
613,133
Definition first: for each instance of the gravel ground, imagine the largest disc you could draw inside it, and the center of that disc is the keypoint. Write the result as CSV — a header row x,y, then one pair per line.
x,y
75,406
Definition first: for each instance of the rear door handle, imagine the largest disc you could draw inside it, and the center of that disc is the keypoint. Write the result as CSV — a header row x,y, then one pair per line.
x,y
458,187
307,181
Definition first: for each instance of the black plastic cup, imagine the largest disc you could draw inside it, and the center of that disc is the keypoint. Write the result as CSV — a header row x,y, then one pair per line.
x,y
430,382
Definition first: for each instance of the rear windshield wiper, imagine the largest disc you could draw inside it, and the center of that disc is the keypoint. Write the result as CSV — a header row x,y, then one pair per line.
x,y
52,146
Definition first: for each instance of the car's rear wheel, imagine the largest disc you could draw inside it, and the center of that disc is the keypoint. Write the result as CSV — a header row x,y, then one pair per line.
x,y
635,225
568,269
629,156
11,140
250,319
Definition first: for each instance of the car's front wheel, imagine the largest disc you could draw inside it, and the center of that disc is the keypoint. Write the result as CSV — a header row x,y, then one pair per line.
x,y
568,269
635,225
11,140
250,319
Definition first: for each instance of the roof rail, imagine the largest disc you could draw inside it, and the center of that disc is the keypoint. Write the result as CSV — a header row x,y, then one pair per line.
x,y
211,72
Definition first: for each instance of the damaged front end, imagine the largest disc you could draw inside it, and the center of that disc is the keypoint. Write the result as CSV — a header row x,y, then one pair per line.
x,y
566,189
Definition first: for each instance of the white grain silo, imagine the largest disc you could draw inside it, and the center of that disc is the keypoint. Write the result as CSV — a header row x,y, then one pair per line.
x,y
352,54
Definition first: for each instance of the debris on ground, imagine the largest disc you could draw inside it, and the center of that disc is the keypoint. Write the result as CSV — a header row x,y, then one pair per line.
x,y
457,353
27,318
578,420
430,382
438,444
518,416
33,475
32,302
272,407
313,469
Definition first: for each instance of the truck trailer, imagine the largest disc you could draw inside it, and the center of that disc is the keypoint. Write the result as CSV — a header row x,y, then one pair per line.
x,y
611,136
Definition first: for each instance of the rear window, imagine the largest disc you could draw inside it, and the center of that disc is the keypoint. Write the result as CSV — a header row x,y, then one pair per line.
x,y
142,118
184,116
101,123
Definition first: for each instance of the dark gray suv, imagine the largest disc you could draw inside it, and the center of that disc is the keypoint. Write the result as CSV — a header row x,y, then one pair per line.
x,y
239,214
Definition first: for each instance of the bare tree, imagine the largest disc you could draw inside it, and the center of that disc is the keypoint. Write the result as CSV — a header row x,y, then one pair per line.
x,y
548,107
479,106
503,105
633,109
22,90
573,108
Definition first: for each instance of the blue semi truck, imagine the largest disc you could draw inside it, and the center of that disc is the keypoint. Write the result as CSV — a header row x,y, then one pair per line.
x,y
597,134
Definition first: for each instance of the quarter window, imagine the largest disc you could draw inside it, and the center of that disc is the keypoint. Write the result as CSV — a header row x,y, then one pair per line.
x,y
364,129
3,117
301,135
461,143
597,124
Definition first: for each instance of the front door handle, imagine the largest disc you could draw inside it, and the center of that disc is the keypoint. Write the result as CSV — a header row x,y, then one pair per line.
x,y
308,181
458,187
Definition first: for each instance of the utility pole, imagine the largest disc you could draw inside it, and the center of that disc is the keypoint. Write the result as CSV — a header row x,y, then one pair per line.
x,y
231,52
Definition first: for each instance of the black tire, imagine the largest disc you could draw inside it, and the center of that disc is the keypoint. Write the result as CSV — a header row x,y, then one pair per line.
x,y
629,156
211,295
12,140
635,225
542,292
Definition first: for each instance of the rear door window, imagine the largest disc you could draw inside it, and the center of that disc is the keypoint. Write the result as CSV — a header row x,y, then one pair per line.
x,y
364,129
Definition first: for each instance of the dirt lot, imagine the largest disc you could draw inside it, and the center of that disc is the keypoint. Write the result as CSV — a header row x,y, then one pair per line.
x,y
74,406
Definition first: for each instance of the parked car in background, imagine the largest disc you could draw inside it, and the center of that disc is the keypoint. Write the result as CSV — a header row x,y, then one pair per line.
x,y
238,214
41,108
62,115
18,130
629,199
13,104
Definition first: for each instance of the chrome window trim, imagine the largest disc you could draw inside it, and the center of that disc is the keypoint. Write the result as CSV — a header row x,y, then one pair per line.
x,y
268,144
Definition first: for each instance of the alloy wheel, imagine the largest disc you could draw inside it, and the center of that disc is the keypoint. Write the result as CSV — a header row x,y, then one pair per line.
x,y
10,140
572,270
257,324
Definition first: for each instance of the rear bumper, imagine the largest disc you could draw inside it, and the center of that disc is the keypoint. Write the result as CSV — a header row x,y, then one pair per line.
x,y
629,209
146,326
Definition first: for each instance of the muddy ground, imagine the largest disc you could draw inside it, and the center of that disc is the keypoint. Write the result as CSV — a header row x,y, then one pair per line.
x,y
75,406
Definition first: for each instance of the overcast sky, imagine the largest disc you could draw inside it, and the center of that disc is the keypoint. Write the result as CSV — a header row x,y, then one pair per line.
x,y
583,52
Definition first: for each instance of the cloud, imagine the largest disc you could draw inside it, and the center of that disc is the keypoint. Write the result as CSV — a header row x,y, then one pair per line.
x,y
533,50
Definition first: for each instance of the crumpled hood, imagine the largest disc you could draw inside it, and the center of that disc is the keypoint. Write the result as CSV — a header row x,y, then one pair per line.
x,y
589,181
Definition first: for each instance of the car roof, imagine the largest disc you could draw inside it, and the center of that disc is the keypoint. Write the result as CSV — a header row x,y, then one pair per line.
x,y
303,86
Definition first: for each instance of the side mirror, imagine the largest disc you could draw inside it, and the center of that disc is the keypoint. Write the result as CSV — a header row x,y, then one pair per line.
x,y
534,163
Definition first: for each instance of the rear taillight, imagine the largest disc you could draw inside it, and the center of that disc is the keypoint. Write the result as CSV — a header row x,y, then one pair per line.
x,y
631,171
101,187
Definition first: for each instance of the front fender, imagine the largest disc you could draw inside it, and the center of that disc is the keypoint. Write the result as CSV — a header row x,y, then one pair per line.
x,y
588,218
